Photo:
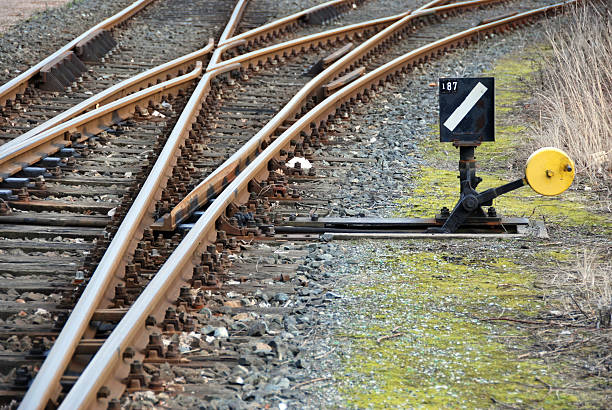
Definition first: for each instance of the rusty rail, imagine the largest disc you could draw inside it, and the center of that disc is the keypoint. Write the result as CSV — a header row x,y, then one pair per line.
x,y
253,37
46,383
109,365
19,84
27,152
248,60
224,174
278,26
136,83
346,33
45,387
235,18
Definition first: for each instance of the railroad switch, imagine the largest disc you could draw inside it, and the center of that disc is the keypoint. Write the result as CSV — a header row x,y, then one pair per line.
x,y
467,118
549,171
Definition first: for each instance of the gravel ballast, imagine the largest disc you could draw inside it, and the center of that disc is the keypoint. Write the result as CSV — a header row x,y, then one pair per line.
x,y
376,324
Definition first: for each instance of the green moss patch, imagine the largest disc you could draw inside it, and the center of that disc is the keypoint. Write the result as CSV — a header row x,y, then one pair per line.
x,y
443,354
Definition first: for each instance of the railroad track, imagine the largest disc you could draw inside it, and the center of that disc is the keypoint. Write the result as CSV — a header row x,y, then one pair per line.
x,y
161,259
70,203
138,48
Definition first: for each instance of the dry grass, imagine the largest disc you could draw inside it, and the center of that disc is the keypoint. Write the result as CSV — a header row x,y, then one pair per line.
x,y
575,105
592,285
575,97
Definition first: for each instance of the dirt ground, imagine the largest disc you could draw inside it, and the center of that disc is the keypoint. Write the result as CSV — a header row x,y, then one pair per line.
x,y
13,11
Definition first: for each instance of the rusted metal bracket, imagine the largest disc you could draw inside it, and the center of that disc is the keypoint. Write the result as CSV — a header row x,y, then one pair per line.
x,y
325,62
95,45
61,72
478,225
230,228
321,16
340,82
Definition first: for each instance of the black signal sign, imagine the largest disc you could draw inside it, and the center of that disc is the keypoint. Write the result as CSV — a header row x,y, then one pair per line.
x,y
467,109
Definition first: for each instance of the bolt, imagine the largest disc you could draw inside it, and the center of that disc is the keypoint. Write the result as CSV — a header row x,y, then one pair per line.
x,y
128,354
470,203
137,377
156,383
23,376
4,208
103,392
114,404
150,321
445,212
172,352
549,173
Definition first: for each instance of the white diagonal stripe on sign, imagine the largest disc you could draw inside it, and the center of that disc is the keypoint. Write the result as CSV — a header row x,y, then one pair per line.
x,y
465,107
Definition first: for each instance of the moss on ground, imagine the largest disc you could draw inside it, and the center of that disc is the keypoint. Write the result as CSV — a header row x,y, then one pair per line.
x,y
444,355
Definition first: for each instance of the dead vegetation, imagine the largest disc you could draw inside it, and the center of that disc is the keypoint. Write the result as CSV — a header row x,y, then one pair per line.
x,y
593,282
572,99
586,289
575,91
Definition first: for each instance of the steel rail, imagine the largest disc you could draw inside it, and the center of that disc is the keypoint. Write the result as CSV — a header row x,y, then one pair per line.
x,y
128,86
20,155
224,174
232,25
46,387
229,30
259,56
109,365
19,84
431,4
262,55
117,254
276,26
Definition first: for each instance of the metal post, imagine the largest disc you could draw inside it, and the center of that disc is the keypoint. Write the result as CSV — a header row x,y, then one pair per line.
x,y
467,169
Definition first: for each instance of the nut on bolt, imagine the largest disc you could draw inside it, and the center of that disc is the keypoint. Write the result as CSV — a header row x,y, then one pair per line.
x,y
103,392
150,321
114,404
444,212
128,354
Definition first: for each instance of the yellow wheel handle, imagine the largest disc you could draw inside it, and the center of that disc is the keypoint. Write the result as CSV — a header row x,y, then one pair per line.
x,y
549,171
